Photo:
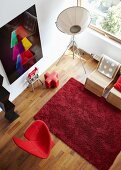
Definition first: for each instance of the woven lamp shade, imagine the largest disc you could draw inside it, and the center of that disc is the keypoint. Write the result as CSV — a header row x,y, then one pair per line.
x,y
73,20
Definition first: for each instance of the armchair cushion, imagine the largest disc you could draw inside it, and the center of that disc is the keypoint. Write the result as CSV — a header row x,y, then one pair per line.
x,y
108,66
117,85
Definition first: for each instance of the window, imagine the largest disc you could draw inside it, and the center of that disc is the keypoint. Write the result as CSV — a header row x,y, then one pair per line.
x,y
105,17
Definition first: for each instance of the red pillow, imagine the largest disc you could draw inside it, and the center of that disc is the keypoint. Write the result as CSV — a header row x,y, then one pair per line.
x,y
117,85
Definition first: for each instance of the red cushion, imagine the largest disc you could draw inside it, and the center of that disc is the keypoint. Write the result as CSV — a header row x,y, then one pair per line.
x,y
37,130
117,85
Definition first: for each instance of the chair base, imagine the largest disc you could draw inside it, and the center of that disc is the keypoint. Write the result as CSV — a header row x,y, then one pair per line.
x,y
94,88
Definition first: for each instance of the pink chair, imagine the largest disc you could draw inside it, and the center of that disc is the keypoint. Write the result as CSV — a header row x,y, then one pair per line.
x,y
38,140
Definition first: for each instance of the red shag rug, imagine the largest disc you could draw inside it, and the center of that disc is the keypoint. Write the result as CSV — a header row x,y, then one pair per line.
x,y
85,122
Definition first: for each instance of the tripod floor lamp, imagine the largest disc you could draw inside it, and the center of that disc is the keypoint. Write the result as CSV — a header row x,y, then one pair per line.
x,y
72,21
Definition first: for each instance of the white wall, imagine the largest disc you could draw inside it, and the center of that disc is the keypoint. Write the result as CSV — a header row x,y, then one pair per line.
x,y
53,41
96,43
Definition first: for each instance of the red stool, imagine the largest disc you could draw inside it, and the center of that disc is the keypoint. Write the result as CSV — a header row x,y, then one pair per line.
x,y
51,79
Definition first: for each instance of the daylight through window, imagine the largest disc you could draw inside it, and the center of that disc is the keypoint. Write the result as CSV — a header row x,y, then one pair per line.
x,y
105,17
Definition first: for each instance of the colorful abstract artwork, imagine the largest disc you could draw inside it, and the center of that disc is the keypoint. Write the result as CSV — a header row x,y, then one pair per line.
x,y
20,44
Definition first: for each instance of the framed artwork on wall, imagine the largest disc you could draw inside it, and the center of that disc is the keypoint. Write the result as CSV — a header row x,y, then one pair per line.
x,y
20,44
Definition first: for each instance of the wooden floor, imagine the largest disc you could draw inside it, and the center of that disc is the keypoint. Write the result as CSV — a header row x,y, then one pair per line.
x,y
27,105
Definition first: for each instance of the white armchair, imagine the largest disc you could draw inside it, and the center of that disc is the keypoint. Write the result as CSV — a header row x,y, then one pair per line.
x,y
99,80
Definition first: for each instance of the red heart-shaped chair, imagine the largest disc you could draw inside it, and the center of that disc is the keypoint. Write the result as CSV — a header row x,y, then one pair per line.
x,y
38,140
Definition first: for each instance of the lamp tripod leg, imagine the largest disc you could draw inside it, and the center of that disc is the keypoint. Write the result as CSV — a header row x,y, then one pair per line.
x,y
73,43
83,65
80,59
64,52
73,46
